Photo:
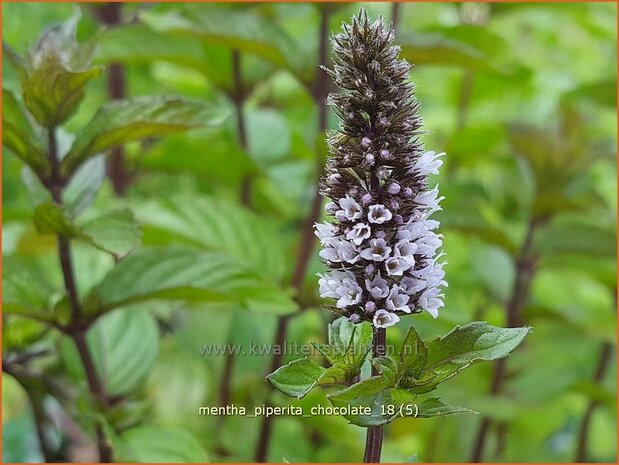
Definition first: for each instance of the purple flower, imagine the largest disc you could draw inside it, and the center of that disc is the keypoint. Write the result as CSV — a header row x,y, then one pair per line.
x,y
359,233
383,248
378,251
384,319
377,287
378,214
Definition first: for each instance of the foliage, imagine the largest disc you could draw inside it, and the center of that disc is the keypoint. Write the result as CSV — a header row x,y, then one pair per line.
x,y
203,248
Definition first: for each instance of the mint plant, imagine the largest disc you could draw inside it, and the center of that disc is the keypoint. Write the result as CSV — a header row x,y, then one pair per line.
x,y
383,250
63,173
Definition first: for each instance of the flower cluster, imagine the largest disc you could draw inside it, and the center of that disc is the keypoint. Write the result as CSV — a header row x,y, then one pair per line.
x,y
382,246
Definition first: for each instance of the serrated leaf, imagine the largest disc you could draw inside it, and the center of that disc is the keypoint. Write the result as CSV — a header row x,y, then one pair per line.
x,y
375,394
79,194
219,226
349,342
386,367
137,43
18,135
116,233
124,345
297,378
340,373
450,354
52,93
435,407
245,31
185,274
413,355
29,287
51,218
124,121
56,72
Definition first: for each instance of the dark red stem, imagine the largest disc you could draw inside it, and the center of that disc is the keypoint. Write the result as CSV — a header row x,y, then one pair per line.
x,y
320,91
374,435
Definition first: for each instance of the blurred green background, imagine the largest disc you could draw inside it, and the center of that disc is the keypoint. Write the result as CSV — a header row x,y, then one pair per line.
x,y
522,97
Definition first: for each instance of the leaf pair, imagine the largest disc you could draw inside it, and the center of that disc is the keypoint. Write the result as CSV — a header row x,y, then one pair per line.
x,y
418,369
116,233
346,351
53,77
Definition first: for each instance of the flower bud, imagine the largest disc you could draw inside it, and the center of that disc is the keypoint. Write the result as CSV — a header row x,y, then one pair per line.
x,y
370,306
393,188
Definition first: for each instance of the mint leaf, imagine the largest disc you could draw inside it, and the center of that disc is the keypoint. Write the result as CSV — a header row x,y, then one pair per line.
x,y
116,233
373,402
435,407
120,122
413,355
297,378
450,354
18,135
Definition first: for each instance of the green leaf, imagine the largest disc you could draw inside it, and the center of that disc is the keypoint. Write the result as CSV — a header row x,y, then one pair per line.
x,y
137,43
602,93
30,286
377,395
349,342
297,378
246,31
269,137
340,373
56,72
16,60
185,274
124,345
52,93
120,122
18,135
387,368
220,226
450,354
50,218
160,445
435,407
413,355
79,194
116,233
300,376
82,189
435,49
577,237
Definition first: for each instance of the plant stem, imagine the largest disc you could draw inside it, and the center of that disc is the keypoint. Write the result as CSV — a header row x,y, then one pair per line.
x,y
606,351
396,10
320,90
110,14
374,436
238,98
76,329
464,99
525,270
